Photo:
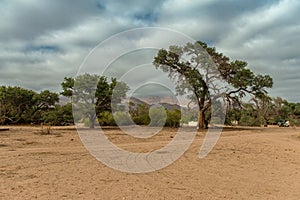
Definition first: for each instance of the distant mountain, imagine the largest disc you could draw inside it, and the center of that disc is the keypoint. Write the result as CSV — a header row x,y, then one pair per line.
x,y
170,106
167,102
137,101
151,100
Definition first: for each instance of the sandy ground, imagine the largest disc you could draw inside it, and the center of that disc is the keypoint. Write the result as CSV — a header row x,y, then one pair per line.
x,y
249,163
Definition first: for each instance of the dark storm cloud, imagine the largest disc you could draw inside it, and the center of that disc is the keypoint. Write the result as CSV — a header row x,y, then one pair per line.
x,y
30,19
43,41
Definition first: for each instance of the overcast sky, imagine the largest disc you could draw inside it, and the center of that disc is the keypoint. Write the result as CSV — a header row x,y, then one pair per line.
x,y
41,42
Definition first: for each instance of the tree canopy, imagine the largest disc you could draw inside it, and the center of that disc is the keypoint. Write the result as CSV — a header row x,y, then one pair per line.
x,y
93,94
19,105
196,66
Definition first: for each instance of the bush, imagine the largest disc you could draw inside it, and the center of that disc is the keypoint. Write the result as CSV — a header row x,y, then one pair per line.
x,y
247,120
173,119
158,116
140,114
106,119
122,118
59,116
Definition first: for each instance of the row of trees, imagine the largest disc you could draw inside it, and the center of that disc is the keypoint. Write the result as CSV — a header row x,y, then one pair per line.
x,y
22,106
264,111
197,70
96,98
93,97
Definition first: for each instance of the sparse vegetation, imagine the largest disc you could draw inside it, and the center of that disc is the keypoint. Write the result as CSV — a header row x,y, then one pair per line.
x,y
46,129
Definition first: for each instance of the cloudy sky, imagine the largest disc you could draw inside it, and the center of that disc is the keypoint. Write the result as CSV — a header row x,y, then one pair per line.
x,y
42,41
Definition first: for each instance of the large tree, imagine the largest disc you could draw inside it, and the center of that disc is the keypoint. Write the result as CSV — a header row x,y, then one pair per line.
x,y
196,66
20,105
15,103
93,94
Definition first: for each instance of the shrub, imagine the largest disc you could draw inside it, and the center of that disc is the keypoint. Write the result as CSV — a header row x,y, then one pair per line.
x,y
158,116
122,118
173,119
106,119
59,115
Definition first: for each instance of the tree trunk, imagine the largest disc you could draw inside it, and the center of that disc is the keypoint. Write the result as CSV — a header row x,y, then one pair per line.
x,y
93,115
201,120
92,120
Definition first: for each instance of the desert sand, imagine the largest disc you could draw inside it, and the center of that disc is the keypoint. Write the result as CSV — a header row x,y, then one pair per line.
x,y
246,163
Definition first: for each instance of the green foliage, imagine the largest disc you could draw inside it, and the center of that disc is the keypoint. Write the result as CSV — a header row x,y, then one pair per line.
x,y
246,115
44,101
59,116
93,94
122,118
192,68
264,111
67,86
233,114
15,104
139,113
158,116
106,119
289,111
189,115
19,105
174,118
142,114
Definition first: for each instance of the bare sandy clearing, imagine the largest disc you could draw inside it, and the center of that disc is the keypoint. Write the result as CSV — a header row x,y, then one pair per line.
x,y
253,163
